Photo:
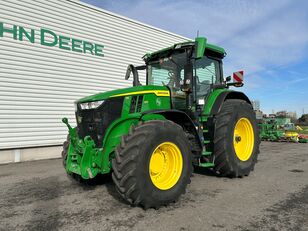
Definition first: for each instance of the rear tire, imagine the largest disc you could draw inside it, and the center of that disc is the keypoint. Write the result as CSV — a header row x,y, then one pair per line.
x,y
132,169
230,160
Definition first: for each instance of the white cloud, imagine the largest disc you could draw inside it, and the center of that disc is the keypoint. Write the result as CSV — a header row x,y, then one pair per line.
x,y
261,37
257,35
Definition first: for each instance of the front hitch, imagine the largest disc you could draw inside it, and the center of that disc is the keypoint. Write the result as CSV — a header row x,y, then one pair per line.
x,y
81,154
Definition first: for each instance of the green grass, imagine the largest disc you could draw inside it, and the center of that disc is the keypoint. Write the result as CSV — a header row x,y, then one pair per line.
x,y
304,131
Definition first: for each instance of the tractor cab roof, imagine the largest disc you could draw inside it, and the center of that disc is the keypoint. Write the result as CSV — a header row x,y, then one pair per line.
x,y
200,45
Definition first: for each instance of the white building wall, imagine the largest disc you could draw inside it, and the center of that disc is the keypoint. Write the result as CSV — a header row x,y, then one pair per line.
x,y
38,84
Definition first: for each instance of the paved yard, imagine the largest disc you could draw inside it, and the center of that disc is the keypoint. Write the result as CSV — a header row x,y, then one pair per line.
x,y
39,196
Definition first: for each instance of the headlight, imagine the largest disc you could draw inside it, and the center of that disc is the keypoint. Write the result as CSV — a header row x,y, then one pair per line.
x,y
91,105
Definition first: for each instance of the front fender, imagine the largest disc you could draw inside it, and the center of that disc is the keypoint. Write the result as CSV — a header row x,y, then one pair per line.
x,y
114,133
112,139
121,127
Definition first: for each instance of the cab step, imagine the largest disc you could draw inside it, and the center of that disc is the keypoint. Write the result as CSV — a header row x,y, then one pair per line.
x,y
206,165
74,157
205,153
203,118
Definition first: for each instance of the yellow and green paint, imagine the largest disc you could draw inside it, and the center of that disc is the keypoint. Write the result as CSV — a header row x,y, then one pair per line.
x,y
88,160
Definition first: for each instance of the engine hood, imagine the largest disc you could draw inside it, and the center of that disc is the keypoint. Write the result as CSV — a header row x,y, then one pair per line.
x,y
158,90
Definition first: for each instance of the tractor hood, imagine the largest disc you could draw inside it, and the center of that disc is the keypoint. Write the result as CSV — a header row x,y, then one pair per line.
x,y
158,90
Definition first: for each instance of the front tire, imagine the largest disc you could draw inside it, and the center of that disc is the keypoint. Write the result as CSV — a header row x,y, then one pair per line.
x,y
64,153
236,139
153,164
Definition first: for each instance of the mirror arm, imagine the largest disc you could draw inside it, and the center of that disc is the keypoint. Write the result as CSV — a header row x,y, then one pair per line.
x,y
235,84
136,81
219,86
142,67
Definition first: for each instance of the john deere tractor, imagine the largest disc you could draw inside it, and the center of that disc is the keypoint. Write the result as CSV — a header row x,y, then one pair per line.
x,y
151,136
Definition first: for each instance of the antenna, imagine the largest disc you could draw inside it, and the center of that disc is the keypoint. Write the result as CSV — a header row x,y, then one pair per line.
x,y
197,33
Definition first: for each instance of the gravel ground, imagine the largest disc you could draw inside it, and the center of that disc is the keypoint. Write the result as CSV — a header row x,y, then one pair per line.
x,y
39,196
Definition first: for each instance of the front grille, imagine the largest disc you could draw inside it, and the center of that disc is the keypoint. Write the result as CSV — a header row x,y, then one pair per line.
x,y
94,122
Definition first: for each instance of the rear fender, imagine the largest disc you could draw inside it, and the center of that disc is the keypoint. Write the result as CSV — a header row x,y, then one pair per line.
x,y
225,95
214,104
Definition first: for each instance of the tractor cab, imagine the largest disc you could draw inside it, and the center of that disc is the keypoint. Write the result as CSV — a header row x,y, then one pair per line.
x,y
190,70
189,79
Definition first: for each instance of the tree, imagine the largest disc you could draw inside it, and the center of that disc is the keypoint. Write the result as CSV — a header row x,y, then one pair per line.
x,y
303,120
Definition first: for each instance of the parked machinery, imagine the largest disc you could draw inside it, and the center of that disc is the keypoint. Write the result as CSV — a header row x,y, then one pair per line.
x,y
150,136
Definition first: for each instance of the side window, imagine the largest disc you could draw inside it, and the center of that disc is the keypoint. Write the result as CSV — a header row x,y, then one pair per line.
x,y
207,70
207,73
161,76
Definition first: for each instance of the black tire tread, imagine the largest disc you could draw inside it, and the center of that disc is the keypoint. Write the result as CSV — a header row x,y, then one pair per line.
x,y
124,163
222,165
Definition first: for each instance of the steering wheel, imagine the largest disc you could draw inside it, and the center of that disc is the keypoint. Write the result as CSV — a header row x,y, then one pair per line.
x,y
170,77
197,79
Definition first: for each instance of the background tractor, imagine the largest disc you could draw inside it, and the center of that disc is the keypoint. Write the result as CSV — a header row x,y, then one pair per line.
x,y
150,136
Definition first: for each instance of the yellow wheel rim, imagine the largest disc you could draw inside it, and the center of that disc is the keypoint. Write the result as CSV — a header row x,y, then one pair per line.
x,y
243,139
166,165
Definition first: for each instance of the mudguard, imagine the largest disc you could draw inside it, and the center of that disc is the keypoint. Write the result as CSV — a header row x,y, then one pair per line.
x,y
225,95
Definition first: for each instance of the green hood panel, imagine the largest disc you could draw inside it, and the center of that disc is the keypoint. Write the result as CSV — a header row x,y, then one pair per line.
x,y
129,90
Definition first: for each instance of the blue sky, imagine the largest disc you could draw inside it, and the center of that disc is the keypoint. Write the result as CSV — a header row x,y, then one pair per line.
x,y
268,39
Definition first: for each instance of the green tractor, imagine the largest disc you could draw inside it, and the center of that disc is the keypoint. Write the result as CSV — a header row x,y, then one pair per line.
x,y
151,136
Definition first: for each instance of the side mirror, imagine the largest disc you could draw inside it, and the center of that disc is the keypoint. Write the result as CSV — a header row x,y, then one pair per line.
x,y
228,79
128,71
132,69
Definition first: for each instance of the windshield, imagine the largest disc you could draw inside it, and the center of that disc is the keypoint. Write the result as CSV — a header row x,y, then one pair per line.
x,y
168,71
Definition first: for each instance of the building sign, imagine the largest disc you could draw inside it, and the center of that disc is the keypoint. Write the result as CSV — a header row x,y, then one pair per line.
x,y
51,39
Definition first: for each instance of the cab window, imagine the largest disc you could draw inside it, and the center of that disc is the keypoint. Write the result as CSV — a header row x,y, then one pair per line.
x,y
206,72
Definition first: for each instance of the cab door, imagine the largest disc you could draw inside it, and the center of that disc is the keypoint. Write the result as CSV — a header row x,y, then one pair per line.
x,y
206,73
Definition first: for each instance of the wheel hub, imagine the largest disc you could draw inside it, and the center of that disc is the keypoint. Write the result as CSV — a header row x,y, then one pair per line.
x,y
158,164
165,165
243,140
238,139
